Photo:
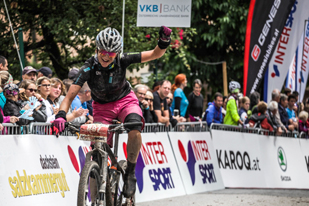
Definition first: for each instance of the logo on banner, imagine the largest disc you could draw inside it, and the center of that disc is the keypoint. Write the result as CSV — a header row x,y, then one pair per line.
x,y
82,158
301,79
49,162
276,72
237,160
198,151
255,52
164,8
152,153
24,184
282,159
307,162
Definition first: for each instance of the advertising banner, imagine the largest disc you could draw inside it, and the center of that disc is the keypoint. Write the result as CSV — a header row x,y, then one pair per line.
x,y
156,169
285,48
291,78
286,166
170,13
197,162
304,159
299,69
266,19
40,169
239,158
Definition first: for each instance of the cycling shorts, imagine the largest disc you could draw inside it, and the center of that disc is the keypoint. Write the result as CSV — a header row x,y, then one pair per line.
x,y
120,109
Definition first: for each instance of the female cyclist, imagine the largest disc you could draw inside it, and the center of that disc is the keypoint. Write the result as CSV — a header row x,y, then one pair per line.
x,y
113,98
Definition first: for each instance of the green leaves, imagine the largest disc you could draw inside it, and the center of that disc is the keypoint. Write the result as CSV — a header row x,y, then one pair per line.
x,y
65,33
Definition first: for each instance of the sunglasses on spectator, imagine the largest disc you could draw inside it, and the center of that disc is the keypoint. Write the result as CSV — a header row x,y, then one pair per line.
x,y
9,92
110,54
44,85
148,99
32,90
169,98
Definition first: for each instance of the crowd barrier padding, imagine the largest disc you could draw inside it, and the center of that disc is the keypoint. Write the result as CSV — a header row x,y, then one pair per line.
x,y
156,169
189,158
40,169
197,161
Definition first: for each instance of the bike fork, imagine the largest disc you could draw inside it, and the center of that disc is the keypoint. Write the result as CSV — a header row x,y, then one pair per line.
x,y
104,176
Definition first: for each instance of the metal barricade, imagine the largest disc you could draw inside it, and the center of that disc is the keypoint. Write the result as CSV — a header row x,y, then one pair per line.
x,y
12,129
303,135
46,129
40,128
266,132
232,128
156,127
294,134
191,127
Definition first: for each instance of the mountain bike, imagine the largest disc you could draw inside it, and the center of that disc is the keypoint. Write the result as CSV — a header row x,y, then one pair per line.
x,y
100,174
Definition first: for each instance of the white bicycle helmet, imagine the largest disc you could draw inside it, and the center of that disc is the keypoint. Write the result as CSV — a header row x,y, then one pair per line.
x,y
233,86
109,40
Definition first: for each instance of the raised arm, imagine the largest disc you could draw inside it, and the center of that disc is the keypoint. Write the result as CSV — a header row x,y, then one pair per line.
x,y
163,43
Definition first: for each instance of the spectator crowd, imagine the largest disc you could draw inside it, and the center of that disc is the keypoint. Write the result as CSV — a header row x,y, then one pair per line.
x,y
37,98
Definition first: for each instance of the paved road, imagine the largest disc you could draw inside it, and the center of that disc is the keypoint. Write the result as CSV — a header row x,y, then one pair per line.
x,y
235,197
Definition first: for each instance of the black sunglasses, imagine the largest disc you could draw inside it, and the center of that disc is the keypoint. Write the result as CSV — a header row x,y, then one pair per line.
x,y
148,99
32,90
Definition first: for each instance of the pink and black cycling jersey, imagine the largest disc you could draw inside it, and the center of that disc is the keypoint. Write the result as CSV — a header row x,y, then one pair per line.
x,y
107,84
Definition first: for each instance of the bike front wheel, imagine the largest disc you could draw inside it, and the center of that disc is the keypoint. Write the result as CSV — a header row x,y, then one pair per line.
x,y
119,199
89,186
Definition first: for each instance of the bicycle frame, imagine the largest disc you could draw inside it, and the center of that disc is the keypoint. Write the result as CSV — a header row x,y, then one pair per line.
x,y
103,151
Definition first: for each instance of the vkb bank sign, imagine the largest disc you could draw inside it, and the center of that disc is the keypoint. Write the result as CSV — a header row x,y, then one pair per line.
x,y
171,13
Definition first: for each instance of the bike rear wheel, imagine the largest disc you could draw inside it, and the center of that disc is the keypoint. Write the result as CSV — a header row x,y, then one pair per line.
x,y
91,173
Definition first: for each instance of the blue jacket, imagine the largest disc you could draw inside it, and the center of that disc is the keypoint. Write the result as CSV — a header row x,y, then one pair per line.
x,y
213,114
2,100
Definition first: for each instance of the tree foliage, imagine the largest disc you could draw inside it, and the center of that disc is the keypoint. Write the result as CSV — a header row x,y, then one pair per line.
x,y
64,29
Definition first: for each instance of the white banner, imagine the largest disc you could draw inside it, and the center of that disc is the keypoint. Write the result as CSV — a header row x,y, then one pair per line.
x,y
285,49
40,169
285,164
156,169
252,160
239,159
157,13
304,159
196,160
299,68
291,81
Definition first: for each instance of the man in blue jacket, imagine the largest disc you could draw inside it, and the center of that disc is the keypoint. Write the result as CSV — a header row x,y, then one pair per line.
x,y
213,113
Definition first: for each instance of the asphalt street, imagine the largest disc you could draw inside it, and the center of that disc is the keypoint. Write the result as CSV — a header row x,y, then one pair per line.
x,y
231,197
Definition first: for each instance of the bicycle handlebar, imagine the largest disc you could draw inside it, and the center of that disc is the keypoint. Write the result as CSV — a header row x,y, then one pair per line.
x,y
74,127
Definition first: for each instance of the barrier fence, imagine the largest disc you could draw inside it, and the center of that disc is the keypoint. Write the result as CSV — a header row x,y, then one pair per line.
x,y
189,158
46,129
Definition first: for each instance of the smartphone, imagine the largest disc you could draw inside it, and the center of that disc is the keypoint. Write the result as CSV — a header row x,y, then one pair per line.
x,y
176,112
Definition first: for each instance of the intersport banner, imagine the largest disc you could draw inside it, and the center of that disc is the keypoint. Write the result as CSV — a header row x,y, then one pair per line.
x,y
266,19
299,69
196,160
40,169
291,78
156,169
285,49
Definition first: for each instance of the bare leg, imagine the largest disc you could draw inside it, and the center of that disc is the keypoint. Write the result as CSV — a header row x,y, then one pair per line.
x,y
134,145
133,148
